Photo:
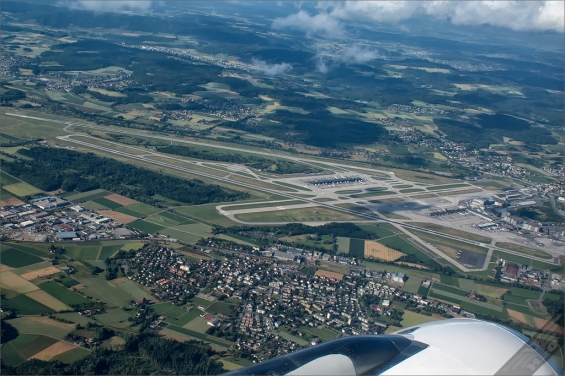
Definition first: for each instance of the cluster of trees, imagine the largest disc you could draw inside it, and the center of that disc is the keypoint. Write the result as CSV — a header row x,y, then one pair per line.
x,y
9,95
556,307
268,234
492,129
131,96
319,128
142,355
151,70
52,169
275,166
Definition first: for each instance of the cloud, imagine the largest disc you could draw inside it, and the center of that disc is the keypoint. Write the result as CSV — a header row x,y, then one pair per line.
x,y
271,69
321,65
516,15
109,6
358,54
321,23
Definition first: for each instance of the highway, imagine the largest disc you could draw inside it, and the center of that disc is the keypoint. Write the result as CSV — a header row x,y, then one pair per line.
x,y
370,217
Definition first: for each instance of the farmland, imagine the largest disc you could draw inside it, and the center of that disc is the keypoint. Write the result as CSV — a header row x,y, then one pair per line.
x,y
16,258
410,318
63,294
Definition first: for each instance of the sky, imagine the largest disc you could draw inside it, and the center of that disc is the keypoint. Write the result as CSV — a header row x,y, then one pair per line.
x,y
328,17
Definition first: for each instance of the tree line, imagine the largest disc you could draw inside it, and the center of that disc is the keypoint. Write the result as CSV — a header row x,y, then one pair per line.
x,y
142,355
54,168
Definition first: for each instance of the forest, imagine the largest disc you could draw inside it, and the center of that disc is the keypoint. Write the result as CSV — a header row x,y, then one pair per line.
x,y
53,168
267,234
492,129
152,70
319,128
142,355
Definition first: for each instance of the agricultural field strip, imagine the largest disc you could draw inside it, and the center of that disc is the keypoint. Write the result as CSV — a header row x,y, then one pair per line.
x,y
59,340
247,185
464,299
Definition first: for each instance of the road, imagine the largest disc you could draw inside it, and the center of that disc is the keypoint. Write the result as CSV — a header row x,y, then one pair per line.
x,y
371,217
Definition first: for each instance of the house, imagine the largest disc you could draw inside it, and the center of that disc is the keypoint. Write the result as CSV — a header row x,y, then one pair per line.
x,y
66,235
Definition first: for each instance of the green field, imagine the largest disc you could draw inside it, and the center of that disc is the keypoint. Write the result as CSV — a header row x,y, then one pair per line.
x,y
37,249
424,291
357,248
297,215
219,307
399,269
448,186
91,205
523,309
450,231
48,327
343,245
524,293
473,307
449,280
203,337
134,290
200,302
147,227
446,288
265,204
143,209
184,318
100,288
67,281
72,356
6,179
162,308
413,285
113,315
324,334
206,213
109,250
490,291
86,196
127,211
10,355
410,190
21,189
24,346
63,294
401,243
168,219
522,249
16,259
107,203
82,252
410,318
381,230
289,337
25,305
75,318
467,284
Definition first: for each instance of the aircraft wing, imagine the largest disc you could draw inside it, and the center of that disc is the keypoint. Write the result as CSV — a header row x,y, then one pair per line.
x,y
445,347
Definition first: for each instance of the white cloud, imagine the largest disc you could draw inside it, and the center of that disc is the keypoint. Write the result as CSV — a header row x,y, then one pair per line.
x,y
515,14
271,69
321,23
359,54
321,65
110,6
